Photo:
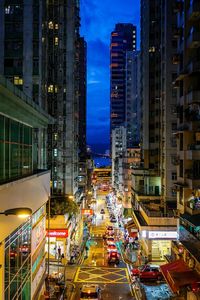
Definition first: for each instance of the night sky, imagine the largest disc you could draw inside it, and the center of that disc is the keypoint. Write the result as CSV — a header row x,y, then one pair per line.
x,y
98,19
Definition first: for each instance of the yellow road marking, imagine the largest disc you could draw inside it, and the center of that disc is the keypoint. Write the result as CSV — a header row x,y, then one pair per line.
x,y
76,275
92,277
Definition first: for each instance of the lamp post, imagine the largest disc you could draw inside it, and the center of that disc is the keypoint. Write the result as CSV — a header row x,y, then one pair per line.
x,y
21,212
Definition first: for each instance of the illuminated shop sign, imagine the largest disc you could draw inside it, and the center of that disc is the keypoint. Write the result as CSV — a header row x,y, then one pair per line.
x,y
59,233
163,235
87,212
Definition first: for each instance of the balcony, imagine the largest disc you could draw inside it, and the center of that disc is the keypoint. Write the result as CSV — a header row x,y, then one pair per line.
x,y
194,10
192,179
193,206
193,152
193,96
193,41
192,114
154,216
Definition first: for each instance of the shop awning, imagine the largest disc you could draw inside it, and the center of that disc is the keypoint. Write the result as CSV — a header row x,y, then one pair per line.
x,y
178,274
132,229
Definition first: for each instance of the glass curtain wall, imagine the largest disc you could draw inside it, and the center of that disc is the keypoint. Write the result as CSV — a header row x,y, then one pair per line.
x,y
16,150
18,264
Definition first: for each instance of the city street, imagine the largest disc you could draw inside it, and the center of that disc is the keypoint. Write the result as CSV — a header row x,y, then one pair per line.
x,y
113,280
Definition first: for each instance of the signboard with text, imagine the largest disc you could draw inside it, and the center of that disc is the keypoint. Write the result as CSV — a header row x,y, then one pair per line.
x,y
58,233
87,212
163,235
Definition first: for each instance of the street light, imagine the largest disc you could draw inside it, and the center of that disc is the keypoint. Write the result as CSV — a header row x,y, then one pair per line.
x,y
21,212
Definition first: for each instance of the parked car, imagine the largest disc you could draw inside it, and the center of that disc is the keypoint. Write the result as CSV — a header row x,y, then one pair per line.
x,y
113,258
110,230
90,291
112,247
148,272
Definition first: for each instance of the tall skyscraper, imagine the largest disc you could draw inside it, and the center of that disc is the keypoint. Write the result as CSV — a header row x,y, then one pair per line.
x,y
62,92
188,128
132,103
123,39
154,198
38,46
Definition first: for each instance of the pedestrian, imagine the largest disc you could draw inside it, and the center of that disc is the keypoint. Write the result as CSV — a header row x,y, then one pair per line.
x,y
59,251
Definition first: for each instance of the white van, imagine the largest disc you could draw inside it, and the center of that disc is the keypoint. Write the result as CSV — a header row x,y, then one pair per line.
x,y
90,291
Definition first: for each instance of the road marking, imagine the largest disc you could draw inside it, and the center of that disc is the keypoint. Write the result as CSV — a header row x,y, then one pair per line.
x,y
102,275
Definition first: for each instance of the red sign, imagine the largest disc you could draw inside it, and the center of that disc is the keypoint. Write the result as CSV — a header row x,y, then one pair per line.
x,y
87,212
59,233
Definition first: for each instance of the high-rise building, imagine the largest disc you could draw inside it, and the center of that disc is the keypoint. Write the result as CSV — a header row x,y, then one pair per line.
x,y
62,92
38,54
132,103
123,39
154,198
188,136
24,182
21,46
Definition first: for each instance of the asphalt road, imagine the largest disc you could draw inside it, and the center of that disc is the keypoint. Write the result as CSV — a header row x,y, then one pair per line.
x,y
113,280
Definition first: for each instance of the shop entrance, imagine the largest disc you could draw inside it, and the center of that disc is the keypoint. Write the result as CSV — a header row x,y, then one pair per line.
x,y
160,248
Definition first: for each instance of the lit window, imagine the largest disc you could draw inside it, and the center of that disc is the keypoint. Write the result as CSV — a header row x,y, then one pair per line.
x,y
18,80
7,10
56,26
55,136
50,25
55,152
55,184
56,41
152,49
50,88
56,89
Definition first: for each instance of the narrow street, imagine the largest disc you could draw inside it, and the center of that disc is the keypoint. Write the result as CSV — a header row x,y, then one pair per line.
x,y
112,279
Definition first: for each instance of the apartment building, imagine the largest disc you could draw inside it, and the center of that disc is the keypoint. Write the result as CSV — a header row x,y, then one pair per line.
x,y
188,174
154,198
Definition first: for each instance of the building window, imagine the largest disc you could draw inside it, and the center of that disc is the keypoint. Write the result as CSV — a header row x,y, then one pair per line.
x,y
18,80
56,41
50,88
55,152
174,176
50,25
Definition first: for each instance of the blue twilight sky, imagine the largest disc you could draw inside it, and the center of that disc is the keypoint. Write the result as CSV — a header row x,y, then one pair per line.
x,y
98,19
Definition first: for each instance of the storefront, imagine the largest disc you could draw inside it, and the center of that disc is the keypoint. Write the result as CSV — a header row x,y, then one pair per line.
x,y
157,244
57,242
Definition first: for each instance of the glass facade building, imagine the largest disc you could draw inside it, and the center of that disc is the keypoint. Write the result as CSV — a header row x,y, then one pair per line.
x,y
16,149
18,263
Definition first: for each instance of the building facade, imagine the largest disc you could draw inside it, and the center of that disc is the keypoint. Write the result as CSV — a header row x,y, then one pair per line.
x,y
154,198
23,183
188,175
132,103
123,39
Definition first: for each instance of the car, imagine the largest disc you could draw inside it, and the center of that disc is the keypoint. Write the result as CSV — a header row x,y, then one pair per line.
x,y
110,230
102,211
112,247
110,240
148,272
113,258
90,291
